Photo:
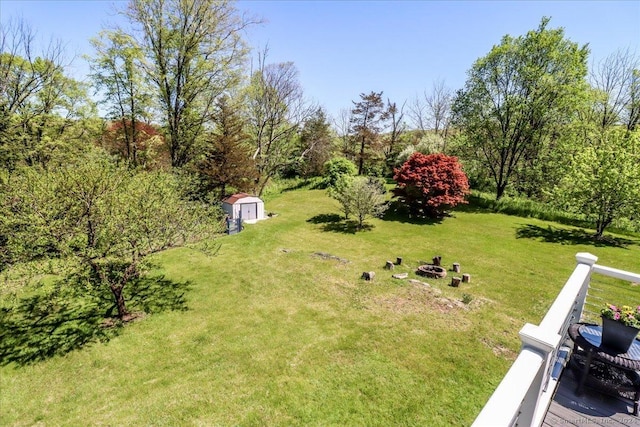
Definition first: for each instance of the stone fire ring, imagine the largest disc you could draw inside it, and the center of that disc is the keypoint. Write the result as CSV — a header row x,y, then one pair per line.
x,y
432,271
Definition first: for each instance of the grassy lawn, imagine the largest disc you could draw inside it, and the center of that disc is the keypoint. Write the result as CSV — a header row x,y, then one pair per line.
x,y
274,334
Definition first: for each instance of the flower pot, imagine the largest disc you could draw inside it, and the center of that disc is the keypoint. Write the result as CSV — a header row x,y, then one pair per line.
x,y
617,336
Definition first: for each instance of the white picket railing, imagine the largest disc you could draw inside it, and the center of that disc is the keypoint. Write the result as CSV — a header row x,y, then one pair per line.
x,y
524,394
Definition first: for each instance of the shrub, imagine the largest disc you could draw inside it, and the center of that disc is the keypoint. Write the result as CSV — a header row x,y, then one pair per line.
x,y
337,167
431,184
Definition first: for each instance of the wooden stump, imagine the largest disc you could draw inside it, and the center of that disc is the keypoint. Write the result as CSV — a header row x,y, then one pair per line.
x,y
466,278
389,265
368,275
399,261
437,260
456,267
455,282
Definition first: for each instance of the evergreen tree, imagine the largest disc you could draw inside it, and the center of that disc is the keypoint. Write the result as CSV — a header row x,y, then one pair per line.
x,y
227,161
367,119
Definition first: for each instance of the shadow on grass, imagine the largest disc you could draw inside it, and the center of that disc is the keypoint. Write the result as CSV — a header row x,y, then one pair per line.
x,y
311,184
56,321
569,236
522,209
472,207
399,213
337,224
156,294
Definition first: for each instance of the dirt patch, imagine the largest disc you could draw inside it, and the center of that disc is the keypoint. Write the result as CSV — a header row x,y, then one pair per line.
x,y
326,256
499,350
128,318
479,302
418,298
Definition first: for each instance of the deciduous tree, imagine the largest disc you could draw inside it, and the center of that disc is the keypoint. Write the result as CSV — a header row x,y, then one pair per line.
x,y
316,144
335,168
360,196
102,219
602,180
145,149
118,74
276,110
397,127
514,97
40,104
194,53
431,184
342,126
432,110
617,83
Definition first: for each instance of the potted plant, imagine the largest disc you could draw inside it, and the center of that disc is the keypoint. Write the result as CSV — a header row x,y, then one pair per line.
x,y
620,326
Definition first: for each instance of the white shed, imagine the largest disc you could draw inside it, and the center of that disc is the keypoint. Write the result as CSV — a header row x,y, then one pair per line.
x,y
245,206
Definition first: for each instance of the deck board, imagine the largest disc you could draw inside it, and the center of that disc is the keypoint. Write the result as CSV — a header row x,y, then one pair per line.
x,y
591,408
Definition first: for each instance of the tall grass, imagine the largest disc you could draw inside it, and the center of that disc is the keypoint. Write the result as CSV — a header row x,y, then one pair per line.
x,y
528,208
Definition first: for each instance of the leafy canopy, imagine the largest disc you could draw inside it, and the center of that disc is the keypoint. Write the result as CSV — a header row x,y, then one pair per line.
x,y
603,177
101,219
431,184
516,96
359,195
336,168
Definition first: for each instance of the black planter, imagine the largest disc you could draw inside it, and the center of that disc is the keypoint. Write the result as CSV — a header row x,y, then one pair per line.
x,y
617,336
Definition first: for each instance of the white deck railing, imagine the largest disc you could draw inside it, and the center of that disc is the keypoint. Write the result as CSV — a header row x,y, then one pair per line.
x,y
524,394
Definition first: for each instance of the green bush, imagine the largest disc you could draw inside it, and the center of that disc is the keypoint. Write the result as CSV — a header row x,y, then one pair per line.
x,y
337,167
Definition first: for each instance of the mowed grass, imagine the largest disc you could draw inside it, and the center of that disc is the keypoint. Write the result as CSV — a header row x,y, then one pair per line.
x,y
276,335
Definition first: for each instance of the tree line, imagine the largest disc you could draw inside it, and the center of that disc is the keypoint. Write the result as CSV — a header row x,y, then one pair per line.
x,y
192,116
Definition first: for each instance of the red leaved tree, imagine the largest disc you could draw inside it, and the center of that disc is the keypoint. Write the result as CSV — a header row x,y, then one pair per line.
x,y
137,142
431,184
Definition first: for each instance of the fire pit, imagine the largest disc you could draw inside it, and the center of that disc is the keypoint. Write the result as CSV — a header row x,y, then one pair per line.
x,y
432,271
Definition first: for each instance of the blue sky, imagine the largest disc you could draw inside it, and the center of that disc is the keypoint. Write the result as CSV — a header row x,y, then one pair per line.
x,y
344,48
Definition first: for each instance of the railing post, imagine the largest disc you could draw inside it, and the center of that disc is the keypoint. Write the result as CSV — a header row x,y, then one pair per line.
x,y
544,342
590,260
511,404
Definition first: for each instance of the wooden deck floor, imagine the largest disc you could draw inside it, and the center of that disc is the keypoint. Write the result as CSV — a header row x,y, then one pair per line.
x,y
591,408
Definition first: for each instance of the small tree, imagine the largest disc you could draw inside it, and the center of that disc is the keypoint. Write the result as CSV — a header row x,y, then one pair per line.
x,y
137,142
340,191
431,184
360,196
101,219
603,178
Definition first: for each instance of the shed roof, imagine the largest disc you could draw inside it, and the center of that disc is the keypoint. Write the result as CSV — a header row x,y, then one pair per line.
x,y
234,198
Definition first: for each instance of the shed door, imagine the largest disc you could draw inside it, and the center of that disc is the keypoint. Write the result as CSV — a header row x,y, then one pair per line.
x,y
249,211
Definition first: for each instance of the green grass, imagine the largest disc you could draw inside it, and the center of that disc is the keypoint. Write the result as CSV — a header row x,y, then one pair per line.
x,y
273,335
